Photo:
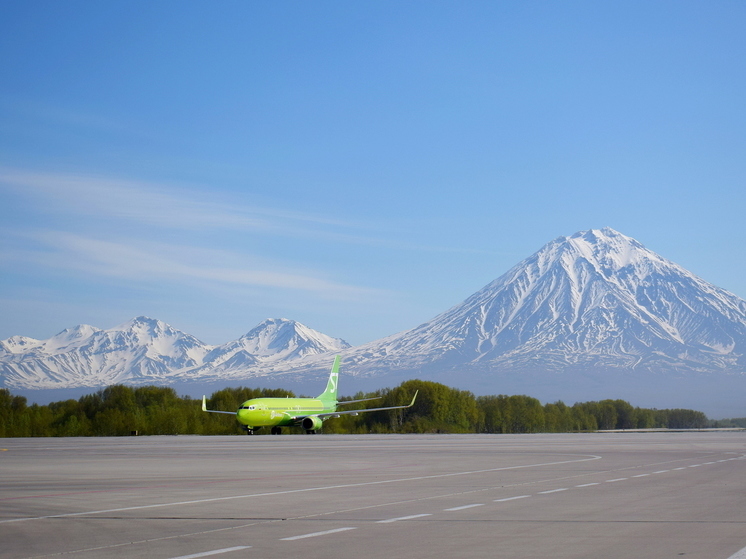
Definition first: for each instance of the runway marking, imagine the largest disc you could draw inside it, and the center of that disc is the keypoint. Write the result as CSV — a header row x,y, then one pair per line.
x,y
615,480
641,475
215,552
315,534
739,554
661,471
511,498
587,484
462,507
138,542
553,491
410,517
588,457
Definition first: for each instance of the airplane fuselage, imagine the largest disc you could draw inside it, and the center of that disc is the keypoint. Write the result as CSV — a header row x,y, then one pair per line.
x,y
279,412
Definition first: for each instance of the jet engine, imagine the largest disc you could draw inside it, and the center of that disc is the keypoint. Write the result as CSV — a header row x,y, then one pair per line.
x,y
311,423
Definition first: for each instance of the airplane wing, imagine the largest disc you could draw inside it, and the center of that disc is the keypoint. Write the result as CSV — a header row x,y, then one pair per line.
x,y
355,412
204,407
357,401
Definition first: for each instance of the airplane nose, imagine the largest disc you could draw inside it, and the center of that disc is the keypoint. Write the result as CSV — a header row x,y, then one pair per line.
x,y
242,416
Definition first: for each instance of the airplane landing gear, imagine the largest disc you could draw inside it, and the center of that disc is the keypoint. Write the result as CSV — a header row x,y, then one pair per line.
x,y
276,431
310,431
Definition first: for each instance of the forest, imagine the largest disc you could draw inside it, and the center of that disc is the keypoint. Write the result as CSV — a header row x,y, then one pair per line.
x,y
121,410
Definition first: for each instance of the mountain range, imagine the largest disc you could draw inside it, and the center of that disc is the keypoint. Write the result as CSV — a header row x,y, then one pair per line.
x,y
147,351
591,313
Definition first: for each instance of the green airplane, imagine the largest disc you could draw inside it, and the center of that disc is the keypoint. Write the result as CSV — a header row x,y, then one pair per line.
x,y
307,413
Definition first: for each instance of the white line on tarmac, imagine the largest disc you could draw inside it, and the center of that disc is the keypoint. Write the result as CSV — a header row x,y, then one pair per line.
x,y
588,457
512,498
587,484
739,554
314,534
614,480
552,491
215,552
462,507
410,517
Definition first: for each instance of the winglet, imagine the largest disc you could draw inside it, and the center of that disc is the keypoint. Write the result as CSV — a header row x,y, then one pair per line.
x,y
413,398
204,407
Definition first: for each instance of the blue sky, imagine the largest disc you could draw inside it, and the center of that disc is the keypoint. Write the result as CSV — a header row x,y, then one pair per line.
x,y
356,166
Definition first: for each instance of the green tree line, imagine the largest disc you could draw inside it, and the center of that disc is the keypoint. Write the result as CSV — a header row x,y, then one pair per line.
x,y
152,410
734,423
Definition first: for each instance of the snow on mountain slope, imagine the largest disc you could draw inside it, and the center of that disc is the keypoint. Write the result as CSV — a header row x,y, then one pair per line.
x,y
597,299
280,339
69,339
274,341
144,350
18,345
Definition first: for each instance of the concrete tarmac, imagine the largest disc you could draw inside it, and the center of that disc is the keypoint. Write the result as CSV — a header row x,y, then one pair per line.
x,y
610,495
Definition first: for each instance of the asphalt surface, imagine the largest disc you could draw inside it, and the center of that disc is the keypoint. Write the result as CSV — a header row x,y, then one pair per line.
x,y
611,495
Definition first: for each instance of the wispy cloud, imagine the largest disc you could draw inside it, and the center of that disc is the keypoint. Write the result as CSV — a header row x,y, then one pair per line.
x,y
144,233
159,205
112,228
148,262
166,206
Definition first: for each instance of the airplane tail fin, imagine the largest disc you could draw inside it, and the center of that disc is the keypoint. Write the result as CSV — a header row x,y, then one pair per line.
x,y
330,394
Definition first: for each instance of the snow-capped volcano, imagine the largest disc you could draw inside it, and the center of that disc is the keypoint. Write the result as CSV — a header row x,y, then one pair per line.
x,y
276,340
597,299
